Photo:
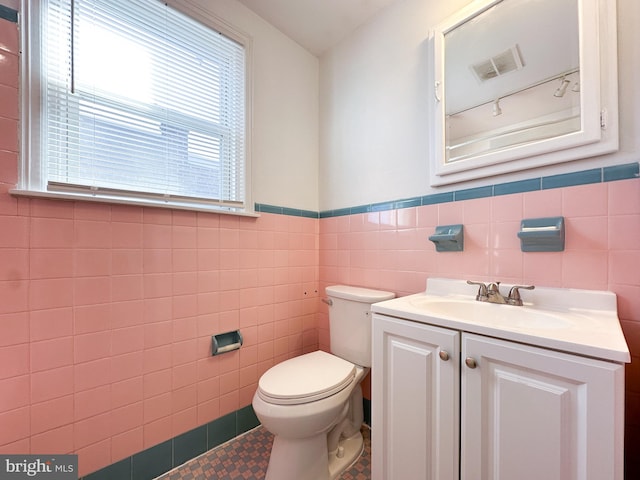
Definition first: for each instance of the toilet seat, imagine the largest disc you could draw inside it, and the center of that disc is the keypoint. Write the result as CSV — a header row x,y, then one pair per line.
x,y
306,379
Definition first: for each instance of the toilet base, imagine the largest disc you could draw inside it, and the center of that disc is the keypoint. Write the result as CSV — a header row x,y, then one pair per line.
x,y
299,459
347,453
308,459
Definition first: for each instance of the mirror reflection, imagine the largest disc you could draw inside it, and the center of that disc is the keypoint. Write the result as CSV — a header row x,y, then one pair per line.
x,y
512,76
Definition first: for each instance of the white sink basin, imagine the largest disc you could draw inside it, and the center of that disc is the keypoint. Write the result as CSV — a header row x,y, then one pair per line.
x,y
475,311
584,322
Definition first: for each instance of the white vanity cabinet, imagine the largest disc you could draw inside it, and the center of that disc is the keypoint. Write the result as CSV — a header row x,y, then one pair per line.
x,y
415,407
528,413
448,404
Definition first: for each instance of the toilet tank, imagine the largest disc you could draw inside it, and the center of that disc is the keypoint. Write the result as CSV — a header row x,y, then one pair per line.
x,y
350,321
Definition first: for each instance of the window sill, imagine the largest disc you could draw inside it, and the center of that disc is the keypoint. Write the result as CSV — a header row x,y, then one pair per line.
x,y
133,201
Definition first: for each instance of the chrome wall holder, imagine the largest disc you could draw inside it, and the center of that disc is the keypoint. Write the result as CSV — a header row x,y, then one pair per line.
x,y
226,342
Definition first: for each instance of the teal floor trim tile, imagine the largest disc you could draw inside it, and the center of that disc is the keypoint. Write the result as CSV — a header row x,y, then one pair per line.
x,y
246,420
152,462
221,430
189,445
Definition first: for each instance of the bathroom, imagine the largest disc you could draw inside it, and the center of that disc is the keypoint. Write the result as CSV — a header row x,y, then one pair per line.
x,y
107,310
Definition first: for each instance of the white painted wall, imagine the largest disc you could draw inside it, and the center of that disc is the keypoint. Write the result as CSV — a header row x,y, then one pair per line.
x,y
373,121
285,111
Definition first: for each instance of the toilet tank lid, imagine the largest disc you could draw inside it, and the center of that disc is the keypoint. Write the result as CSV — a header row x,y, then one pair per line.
x,y
358,294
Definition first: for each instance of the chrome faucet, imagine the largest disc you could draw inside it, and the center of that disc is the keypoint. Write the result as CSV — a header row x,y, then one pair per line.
x,y
494,295
491,293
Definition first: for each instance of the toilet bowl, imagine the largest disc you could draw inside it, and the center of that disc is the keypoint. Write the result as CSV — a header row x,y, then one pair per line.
x,y
313,403
301,418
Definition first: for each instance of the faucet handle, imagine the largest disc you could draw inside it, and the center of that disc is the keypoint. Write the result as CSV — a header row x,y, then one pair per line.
x,y
482,290
514,294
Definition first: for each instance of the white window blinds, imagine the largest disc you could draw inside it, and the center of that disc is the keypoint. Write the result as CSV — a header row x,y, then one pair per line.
x,y
141,101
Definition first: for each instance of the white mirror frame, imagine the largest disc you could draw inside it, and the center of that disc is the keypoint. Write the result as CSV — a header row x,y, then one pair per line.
x,y
598,103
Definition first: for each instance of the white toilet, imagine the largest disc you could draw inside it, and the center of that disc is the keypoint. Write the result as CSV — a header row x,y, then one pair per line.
x,y
313,403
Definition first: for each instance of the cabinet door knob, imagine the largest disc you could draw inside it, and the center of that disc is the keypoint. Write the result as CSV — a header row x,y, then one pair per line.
x,y
444,355
471,363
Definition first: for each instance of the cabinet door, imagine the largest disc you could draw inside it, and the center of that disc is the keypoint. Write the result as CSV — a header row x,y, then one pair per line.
x,y
415,401
531,414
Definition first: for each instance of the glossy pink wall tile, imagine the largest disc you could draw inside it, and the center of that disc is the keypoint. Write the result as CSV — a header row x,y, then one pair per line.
x,y
109,312
602,250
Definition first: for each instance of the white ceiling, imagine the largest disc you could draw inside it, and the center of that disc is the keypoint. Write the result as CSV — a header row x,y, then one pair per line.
x,y
317,25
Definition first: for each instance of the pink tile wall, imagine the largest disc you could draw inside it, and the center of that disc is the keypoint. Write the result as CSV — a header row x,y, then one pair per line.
x,y
106,312
391,251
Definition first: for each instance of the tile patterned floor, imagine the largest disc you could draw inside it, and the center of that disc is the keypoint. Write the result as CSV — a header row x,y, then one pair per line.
x,y
247,456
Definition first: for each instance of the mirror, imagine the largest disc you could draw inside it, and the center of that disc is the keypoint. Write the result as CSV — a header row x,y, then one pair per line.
x,y
522,83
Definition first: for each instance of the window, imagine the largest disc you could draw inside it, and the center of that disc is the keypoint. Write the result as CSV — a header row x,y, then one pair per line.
x,y
133,101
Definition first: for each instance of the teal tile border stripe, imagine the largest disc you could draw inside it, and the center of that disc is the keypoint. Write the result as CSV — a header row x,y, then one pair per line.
x,y
9,14
161,458
294,212
596,175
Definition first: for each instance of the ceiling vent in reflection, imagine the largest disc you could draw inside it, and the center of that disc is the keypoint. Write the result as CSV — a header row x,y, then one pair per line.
x,y
498,65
